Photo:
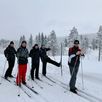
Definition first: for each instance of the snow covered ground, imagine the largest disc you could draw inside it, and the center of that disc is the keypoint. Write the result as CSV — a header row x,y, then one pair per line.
x,y
57,91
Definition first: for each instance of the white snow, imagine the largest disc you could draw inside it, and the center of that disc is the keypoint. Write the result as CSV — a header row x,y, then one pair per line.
x,y
92,82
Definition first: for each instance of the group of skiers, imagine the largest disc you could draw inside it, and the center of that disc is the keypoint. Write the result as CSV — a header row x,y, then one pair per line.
x,y
36,53
22,55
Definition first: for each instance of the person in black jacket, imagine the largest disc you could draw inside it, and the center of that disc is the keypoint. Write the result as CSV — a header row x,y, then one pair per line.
x,y
35,56
45,59
9,53
22,56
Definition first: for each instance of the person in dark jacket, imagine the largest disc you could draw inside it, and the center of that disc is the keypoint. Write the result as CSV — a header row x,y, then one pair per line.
x,y
74,62
22,55
45,59
35,56
10,53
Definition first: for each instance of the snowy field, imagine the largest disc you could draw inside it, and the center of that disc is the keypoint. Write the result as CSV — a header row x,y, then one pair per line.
x,y
57,91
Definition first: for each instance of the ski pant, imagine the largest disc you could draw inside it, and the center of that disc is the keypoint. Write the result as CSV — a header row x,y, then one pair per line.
x,y
73,73
21,76
10,68
35,68
45,64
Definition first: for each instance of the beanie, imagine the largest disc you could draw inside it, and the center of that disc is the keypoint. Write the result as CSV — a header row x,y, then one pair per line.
x,y
76,41
11,42
24,42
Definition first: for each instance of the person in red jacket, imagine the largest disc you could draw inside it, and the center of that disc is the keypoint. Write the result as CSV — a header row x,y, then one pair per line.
x,y
74,62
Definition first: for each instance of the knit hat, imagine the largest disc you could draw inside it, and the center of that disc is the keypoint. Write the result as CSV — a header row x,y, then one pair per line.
x,y
24,42
11,42
36,45
76,41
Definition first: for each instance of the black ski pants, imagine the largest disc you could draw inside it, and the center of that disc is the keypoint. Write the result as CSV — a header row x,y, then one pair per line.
x,y
10,68
48,60
35,68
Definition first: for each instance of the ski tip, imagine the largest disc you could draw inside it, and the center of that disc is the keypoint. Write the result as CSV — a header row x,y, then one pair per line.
x,y
36,93
18,95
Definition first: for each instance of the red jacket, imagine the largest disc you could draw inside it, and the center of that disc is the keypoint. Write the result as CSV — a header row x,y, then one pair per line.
x,y
72,56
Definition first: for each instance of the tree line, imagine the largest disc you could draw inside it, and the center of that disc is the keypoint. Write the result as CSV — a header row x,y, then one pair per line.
x,y
53,42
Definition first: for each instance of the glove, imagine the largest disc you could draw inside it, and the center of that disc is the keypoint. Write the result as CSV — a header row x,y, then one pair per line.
x,y
78,53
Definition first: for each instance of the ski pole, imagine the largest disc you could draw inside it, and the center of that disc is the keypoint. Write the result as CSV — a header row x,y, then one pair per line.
x,y
3,71
61,61
19,81
83,51
82,75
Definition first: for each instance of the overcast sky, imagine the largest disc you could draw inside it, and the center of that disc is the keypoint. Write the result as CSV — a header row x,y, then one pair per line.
x,y
19,17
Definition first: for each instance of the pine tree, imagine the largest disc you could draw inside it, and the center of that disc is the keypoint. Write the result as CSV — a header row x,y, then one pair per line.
x,y
100,42
38,39
72,36
45,40
30,43
22,38
66,42
52,43
85,43
4,43
94,44
42,39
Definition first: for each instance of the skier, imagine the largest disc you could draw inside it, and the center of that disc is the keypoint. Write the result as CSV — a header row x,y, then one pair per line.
x,y
74,62
22,55
45,59
35,56
10,53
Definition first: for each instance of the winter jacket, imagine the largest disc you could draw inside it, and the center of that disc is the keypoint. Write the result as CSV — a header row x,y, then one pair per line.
x,y
35,55
22,55
73,58
43,54
10,53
